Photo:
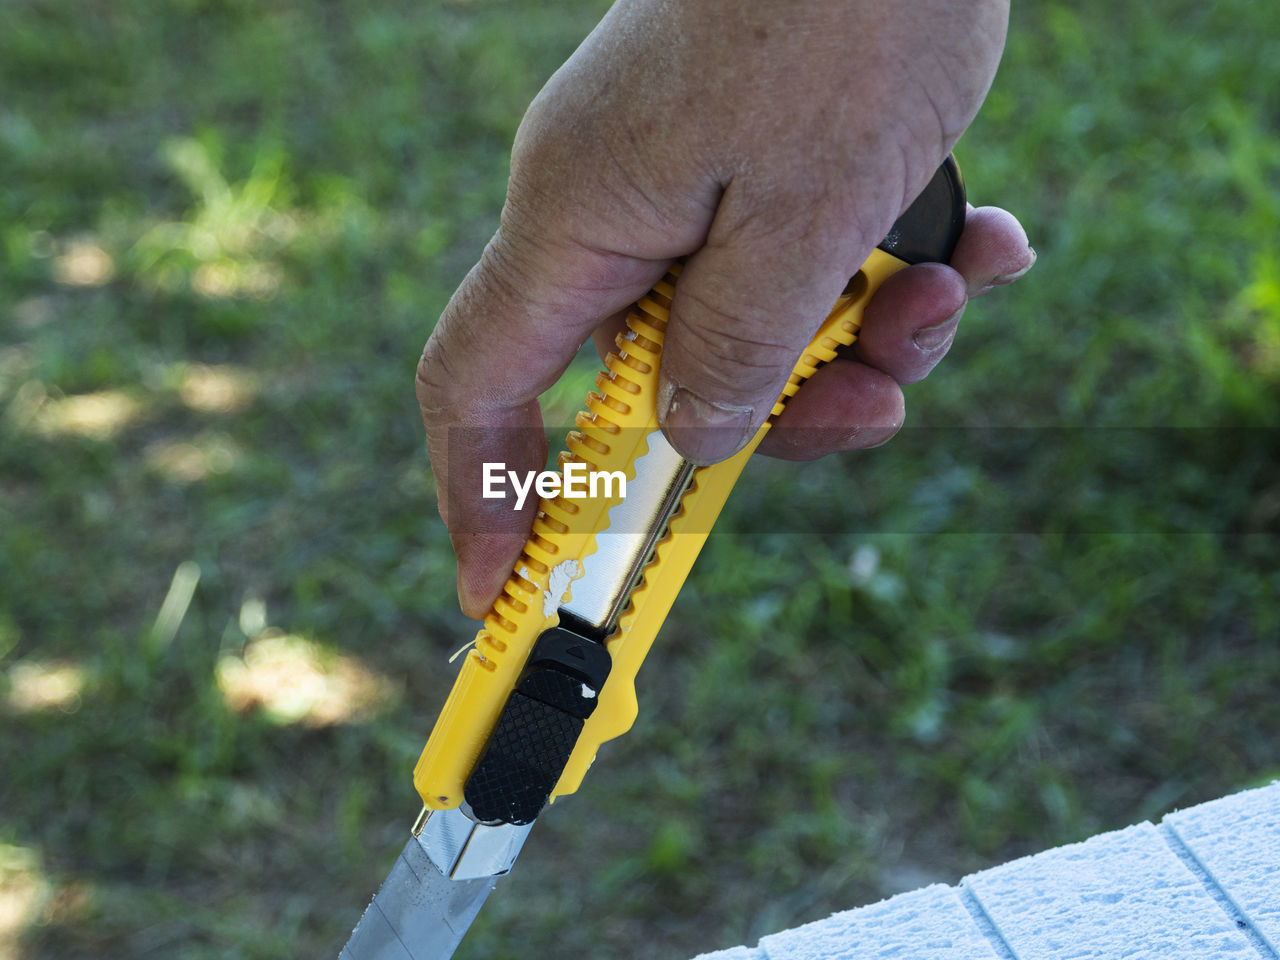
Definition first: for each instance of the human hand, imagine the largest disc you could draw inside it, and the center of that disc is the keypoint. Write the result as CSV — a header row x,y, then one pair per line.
x,y
773,146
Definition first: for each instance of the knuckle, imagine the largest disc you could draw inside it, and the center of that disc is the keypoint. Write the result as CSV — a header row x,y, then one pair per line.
x,y
431,379
738,352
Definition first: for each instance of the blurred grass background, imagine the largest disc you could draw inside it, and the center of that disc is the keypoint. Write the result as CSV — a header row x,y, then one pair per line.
x,y
1050,608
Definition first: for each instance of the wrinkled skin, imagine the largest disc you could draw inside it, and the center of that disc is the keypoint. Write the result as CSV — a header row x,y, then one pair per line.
x,y
773,145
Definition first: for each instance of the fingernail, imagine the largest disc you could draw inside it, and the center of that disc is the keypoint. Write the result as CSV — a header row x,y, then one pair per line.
x,y
470,604
1004,278
702,430
938,335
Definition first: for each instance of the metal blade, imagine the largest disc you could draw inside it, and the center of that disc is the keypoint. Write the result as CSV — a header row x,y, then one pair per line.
x,y
419,913
636,524
438,885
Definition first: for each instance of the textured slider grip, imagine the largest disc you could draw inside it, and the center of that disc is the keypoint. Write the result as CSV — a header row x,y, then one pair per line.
x,y
538,728
531,743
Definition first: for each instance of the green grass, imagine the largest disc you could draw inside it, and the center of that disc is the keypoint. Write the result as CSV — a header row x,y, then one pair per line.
x,y
225,230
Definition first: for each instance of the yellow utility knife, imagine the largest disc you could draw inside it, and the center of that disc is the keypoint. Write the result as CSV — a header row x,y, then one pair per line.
x,y
551,675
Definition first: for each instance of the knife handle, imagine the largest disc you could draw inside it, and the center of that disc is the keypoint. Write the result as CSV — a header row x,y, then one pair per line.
x,y
611,436
543,728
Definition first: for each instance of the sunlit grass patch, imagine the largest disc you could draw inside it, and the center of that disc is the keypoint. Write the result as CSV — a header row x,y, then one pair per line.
x,y
225,247
221,388
226,279
24,892
99,415
196,458
37,686
294,680
83,263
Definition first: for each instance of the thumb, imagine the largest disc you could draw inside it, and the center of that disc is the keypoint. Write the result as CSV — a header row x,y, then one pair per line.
x,y
506,336
745,307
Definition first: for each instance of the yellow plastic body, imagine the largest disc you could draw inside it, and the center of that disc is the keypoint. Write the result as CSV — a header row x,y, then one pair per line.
x,y
611,435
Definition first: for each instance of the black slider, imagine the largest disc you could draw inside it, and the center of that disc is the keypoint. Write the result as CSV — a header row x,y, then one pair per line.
x,y
538,728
